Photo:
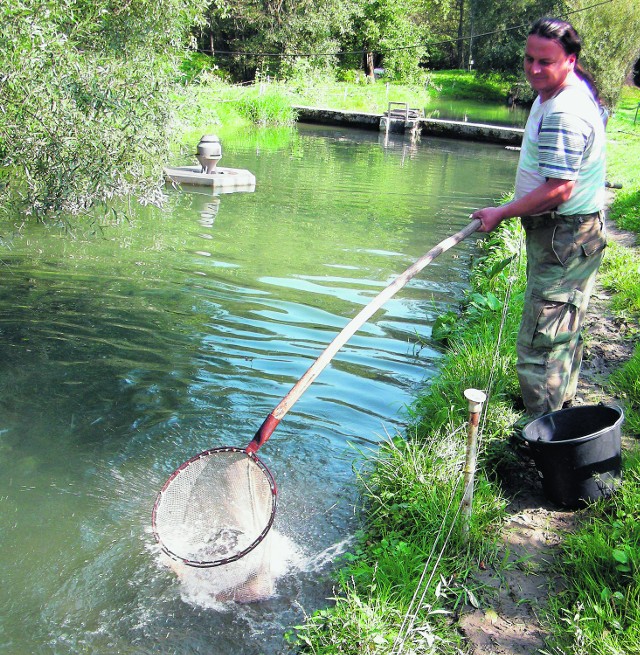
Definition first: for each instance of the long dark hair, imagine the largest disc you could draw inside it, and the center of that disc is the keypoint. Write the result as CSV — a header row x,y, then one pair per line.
x,y
565,34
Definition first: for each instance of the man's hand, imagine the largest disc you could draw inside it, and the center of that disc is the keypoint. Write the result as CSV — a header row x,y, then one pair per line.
x,y
489,216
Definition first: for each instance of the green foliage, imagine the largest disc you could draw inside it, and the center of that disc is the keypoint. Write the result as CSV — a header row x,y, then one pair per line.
x,y
626,382
623,164
348,75
83,110
325,36
444,326
410,496
599,612
481,342
368,624
387,26
294,30
626,212
609,32
198,68
360,96
470,85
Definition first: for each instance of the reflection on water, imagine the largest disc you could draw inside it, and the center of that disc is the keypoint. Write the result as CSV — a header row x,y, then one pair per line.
x,y
470,111
129,346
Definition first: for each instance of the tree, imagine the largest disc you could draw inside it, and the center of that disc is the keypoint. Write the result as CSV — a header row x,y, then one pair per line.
x,y
389,34
611,42
498,30
82,99
251,37
343,33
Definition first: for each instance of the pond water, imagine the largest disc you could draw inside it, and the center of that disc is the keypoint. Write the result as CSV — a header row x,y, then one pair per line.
x,y
477,112
127,346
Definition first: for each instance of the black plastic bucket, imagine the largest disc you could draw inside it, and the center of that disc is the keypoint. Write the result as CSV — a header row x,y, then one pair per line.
x,y
577,453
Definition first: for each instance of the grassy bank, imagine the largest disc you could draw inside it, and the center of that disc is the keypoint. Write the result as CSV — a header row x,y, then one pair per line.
x,y
412,491
214,104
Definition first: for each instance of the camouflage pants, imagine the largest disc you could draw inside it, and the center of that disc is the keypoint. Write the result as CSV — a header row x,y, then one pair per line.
x,y
563,257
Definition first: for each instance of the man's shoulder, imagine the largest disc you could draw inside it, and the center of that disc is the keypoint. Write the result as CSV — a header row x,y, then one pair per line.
x,y
574,101
574,109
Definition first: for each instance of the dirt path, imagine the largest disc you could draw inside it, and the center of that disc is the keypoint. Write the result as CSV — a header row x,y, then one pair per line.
x,y
535,528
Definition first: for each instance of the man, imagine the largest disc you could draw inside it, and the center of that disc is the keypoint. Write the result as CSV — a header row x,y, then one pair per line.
x,y
559,195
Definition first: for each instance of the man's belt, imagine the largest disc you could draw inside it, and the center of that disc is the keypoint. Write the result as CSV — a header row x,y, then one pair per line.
x,y
537,219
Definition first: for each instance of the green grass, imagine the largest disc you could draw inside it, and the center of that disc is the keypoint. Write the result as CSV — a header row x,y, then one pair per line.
x,y
267,106
458,84
626,211
621,274
626,383
467,85
366,98
599,612
413,543
623,143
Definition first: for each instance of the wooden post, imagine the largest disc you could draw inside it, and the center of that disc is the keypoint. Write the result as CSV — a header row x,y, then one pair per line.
x,y
475,398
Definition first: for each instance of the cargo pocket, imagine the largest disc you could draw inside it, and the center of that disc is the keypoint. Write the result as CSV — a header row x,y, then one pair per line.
x,y
557,318
563,243
594,246
573,238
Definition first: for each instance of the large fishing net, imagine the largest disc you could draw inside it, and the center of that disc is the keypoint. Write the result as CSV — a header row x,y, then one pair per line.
x,y
215,508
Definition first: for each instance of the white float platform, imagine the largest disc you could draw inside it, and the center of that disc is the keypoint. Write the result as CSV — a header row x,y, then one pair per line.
x,y
224,180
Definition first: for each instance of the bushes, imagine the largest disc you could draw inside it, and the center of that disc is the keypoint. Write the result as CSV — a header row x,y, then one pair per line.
x,y
83,100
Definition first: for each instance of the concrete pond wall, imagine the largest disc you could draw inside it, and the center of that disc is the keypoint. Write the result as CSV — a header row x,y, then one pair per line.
x,y
511,136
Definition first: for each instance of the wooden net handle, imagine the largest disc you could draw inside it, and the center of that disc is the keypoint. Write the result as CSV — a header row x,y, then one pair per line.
x,y
271,422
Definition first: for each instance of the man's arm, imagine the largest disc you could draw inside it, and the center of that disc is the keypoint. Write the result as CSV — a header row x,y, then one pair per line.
x,y
542,199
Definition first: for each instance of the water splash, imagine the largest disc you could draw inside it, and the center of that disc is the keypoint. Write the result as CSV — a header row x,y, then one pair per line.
x,y
254,577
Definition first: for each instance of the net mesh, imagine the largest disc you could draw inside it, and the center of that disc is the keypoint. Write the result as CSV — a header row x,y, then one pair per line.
x,y
249,579
215,508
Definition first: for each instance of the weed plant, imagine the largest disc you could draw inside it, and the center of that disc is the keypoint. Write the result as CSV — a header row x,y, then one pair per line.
x,y
599,611
267,105
620,275
626,381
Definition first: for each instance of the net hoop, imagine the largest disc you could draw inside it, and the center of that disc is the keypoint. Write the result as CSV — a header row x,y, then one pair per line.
x,y
175,478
